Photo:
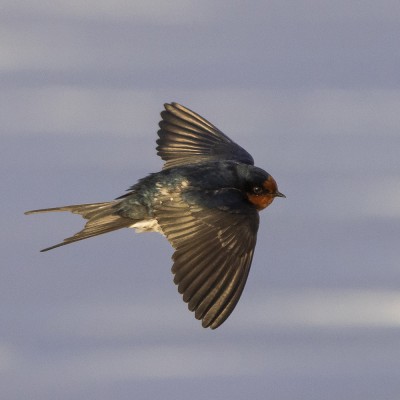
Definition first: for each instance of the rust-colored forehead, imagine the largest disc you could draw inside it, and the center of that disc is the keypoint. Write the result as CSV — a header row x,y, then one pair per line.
x,y
270,184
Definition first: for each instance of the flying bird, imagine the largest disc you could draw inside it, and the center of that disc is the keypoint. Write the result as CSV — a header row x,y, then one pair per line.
x,y
206,201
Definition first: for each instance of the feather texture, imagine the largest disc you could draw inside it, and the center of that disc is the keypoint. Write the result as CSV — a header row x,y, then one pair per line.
x,y
187,138
213,254
102,218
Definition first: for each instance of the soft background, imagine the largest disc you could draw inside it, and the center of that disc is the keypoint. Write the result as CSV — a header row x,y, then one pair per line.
x,y
310,88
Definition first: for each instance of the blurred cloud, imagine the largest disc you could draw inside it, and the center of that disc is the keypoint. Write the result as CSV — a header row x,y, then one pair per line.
x,y
328,309
120,342
157,361
9,359
383,201
78,110
183,44
154,11
336,309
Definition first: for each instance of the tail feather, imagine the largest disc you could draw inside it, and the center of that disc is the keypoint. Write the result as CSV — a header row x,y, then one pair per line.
x,y
102,218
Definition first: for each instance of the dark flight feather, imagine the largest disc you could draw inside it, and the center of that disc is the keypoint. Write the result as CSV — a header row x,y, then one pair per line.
x,y
187,138
213,254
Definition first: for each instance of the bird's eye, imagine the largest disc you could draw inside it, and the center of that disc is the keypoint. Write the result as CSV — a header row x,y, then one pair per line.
x,y
257,190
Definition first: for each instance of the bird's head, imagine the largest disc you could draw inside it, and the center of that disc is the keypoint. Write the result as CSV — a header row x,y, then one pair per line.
x,y
261,188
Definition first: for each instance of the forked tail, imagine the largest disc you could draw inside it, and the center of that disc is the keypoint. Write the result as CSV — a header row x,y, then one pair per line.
x,y
103,218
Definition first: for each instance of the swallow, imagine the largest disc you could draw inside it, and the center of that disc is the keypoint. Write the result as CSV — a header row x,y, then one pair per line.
x,y
205,201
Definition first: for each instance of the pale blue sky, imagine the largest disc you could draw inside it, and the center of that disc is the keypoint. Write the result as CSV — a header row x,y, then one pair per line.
x,y
311,89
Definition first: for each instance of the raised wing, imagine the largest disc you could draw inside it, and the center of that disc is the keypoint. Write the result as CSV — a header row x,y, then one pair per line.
x,y
187,138
213,253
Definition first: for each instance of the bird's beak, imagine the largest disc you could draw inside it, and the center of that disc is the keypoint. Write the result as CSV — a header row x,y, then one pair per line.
x,y
279,194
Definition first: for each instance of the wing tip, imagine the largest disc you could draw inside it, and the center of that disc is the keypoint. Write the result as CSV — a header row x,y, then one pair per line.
x,y
30,212
54,247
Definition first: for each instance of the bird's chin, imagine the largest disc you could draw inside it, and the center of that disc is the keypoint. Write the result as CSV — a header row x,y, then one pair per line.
x,y
260,202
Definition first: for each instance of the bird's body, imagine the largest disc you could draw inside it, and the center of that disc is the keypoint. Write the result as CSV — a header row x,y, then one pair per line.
x,y
205,201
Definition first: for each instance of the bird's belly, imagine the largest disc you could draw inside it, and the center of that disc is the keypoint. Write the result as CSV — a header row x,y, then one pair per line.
x,y
147,225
